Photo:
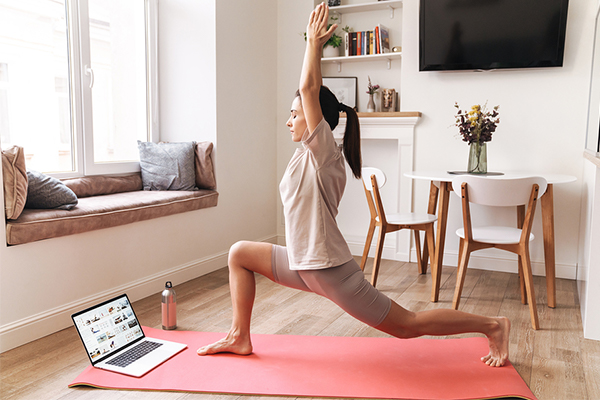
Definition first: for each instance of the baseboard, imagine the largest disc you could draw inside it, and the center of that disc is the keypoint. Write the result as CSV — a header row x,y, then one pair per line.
x,y
39,325
499,264
390,251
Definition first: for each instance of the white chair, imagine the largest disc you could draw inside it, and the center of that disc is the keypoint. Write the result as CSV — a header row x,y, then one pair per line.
x,y
373,180
499,192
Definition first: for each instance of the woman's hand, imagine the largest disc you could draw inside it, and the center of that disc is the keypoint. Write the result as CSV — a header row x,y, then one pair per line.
x,y
316,31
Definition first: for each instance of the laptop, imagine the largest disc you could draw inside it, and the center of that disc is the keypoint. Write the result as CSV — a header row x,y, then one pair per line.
x,y
115,341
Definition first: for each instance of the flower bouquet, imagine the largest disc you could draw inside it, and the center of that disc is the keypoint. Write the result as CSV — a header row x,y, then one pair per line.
x,y
476,128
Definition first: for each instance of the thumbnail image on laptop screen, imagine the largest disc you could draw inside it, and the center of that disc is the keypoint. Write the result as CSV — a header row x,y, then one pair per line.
x,y
107,327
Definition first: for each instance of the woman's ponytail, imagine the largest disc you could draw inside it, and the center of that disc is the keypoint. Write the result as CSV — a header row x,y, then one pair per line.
x,y
352,140
331,108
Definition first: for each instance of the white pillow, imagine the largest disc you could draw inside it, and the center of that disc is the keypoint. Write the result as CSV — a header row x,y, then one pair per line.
x,y
167,166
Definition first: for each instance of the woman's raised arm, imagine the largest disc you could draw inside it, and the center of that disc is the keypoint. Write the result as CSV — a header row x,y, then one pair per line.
x,y
317,35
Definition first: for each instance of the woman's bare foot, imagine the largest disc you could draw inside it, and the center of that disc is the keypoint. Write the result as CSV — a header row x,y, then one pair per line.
x,y
230,344
498,342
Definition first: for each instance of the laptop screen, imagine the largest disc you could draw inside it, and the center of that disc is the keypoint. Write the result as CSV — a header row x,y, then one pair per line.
x,y
107,327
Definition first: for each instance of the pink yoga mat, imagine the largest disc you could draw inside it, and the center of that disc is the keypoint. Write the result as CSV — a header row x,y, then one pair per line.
x,y
321,366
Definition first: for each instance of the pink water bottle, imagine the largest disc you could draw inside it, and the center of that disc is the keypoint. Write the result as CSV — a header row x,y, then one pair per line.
x,y
169,307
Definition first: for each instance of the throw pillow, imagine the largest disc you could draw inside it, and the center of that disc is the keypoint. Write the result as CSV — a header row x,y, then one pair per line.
x,y
205,176
47,192
167,166
14,175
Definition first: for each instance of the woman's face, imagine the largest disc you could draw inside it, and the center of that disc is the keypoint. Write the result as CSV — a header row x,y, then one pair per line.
x,y
296,122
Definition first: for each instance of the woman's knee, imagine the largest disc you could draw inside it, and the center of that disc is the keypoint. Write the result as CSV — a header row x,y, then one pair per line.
x,y
237,253
253,256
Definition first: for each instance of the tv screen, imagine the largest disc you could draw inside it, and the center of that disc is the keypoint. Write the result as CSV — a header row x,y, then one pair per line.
x,y
491,34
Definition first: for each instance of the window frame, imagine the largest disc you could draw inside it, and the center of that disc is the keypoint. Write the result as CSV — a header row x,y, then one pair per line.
x,y
81,77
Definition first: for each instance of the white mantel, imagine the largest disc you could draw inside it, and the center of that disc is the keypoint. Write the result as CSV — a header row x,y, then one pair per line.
x,y
387,143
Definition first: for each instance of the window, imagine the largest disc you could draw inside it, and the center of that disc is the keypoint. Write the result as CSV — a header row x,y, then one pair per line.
x,y
78,83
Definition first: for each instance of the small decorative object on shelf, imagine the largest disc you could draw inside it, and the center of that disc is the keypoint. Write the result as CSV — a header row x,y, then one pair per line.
x,y
334,3
388,100
372,89
476,128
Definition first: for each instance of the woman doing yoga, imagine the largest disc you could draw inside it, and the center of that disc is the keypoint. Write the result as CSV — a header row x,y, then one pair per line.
x,y
317,258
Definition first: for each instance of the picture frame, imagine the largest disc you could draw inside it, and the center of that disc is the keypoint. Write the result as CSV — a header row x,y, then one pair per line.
x,y
344,88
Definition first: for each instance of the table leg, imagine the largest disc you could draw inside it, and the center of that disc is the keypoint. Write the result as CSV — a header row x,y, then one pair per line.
x,y
440,239
548,229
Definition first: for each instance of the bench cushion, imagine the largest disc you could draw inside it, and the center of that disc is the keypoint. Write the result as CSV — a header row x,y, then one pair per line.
x,y
97,212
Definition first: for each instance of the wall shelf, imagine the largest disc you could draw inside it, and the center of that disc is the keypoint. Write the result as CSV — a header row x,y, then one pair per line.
x,y
370,57
372,6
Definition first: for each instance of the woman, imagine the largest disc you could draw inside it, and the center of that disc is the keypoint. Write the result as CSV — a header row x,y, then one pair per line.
x,y
317,259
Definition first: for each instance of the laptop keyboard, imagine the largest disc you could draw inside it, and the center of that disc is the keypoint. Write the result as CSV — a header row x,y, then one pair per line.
x,y
133,354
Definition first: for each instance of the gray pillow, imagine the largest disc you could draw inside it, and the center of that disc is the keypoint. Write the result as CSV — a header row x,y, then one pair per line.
x,y
167,166
44,191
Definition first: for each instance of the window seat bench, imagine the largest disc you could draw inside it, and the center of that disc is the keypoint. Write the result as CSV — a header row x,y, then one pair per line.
x,y
108,201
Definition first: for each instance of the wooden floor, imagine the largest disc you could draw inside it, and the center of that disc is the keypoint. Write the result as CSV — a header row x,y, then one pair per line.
x,y
556,362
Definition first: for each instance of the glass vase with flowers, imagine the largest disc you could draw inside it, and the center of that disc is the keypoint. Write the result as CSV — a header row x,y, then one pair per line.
x,y
371,90
476,128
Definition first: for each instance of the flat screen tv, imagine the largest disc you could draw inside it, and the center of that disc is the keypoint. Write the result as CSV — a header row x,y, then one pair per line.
x,y
491,34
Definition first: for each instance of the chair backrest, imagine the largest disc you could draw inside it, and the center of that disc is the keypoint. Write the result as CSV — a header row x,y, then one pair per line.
x,y
373,196
366,177
499,191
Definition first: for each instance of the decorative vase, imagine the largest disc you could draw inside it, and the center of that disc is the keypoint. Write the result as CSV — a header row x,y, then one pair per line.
x,y
371,104
477,158
329,51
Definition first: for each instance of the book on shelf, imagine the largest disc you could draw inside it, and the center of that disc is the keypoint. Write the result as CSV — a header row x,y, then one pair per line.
x,y
384,39
376,41
346,44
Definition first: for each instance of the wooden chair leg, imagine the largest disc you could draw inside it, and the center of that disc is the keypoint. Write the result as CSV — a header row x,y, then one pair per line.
x,y
522,282
436,273
461,272
527,274
425,254
520,221
422,267
365,255
379,251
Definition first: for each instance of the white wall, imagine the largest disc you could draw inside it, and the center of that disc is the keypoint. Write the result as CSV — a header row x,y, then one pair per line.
x,y
292,17
42,283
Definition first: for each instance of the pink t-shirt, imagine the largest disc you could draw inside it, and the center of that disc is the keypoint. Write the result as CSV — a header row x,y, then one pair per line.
x,y
311,190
